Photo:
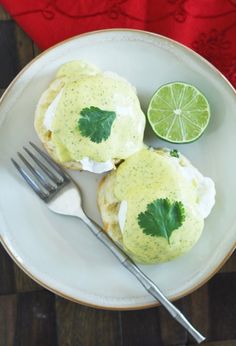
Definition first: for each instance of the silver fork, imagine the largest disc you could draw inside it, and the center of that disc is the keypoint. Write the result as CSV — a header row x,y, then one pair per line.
x,y
56,188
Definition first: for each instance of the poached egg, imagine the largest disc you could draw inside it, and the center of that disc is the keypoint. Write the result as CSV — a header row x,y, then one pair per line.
x,y
85,87
144,177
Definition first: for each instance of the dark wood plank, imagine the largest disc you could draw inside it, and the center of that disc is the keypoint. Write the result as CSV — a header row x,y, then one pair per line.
x,y
171,331
222,307
36,323
83,326
199,310
3,14
221,343
23,282
36,49
230,265
24,46
7,279
7,319
8,56
141,328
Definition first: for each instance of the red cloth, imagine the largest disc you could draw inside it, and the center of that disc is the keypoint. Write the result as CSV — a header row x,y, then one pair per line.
x,y
207,26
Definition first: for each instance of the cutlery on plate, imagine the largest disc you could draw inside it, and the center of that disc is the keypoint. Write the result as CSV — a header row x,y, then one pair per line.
x,y
57,189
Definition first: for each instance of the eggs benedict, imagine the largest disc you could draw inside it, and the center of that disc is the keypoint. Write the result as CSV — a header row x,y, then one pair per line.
x,y
154,204
88,119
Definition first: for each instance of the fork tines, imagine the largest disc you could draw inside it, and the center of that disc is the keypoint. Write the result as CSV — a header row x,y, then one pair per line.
x,y
45,178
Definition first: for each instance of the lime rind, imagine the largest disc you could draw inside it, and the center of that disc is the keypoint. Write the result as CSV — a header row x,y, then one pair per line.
x,y
191,121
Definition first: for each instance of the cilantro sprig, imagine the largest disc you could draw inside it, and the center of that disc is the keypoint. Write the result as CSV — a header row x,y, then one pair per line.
x,y
96,123
174,153
161,218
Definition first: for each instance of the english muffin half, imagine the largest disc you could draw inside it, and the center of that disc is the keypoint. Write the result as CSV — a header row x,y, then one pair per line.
x,y
154,204
88,119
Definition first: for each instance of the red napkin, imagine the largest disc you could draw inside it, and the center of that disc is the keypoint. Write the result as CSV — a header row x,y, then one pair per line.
x,y
207,26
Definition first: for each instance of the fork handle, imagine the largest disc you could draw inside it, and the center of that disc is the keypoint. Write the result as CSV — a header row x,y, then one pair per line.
x,y
148,284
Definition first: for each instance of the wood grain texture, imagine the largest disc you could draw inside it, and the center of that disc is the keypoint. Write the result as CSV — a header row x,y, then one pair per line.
x,y
171,332
3,14
230,265
8,306
36,49
24,47
2,91
222,307
221,343
36,322
199,309
23,282
83,326
7,278
8,53
141,328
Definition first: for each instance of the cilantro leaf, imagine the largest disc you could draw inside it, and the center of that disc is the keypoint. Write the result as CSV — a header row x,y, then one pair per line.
x,y
161,218
174,153
96,123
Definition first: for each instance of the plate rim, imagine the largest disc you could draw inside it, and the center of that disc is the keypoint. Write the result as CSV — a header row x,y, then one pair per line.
x,y
61,293
109,307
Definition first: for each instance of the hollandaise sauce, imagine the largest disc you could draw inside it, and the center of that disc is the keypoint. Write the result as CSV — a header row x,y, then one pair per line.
x,y
107,92
143,178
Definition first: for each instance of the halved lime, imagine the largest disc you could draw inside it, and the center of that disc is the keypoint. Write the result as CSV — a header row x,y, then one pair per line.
x,y
178,112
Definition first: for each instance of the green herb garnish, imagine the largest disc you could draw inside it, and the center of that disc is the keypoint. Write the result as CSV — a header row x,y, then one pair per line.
x,y
174,153
96,123
161,218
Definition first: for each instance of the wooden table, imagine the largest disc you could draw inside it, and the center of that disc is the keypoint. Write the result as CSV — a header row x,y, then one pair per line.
x,y
32,316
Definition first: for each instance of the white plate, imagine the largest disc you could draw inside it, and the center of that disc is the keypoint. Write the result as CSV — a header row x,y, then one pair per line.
x,y
59,252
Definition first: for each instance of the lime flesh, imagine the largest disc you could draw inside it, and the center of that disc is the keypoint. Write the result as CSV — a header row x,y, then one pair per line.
x,y
178,112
